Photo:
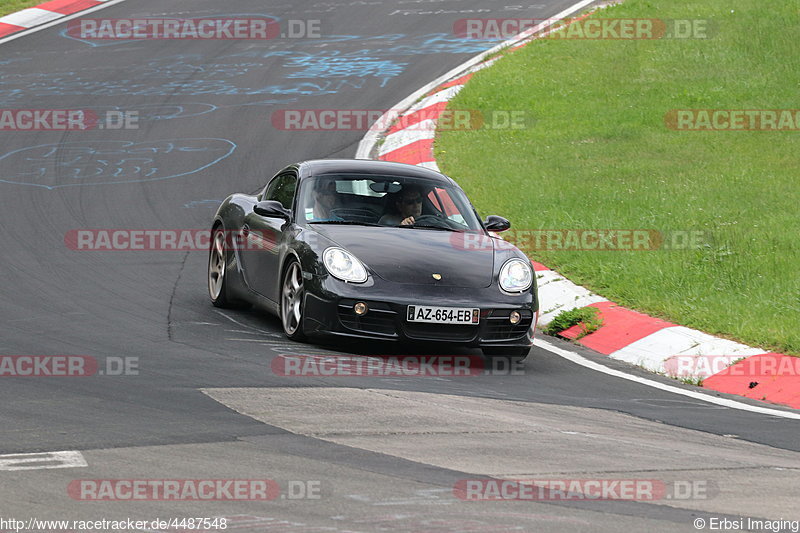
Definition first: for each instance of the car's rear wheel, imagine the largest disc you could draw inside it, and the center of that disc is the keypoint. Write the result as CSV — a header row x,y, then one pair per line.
x,y
219,257
292,296
217,269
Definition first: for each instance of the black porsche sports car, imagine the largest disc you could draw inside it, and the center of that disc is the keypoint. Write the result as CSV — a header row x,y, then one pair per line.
x,y
373,250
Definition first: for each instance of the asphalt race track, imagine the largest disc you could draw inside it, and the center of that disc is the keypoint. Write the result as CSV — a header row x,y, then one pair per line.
x,y
384,452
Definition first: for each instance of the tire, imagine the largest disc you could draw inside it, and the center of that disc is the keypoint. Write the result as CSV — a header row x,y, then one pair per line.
x,y
218,269
292,299
219,256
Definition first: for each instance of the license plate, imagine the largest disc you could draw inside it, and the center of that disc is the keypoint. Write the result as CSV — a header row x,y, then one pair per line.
x,y
443,315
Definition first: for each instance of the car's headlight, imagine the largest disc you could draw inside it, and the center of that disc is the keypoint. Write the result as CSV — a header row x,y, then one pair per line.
x,y
516,276
343,265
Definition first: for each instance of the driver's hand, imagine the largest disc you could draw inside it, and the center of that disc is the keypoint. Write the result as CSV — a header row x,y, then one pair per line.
x,y
407,221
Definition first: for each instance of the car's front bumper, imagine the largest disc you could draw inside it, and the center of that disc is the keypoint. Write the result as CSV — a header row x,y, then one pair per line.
x,y
329,311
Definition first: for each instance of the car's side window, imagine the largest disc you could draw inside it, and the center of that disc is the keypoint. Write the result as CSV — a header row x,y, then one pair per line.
x,y
282,189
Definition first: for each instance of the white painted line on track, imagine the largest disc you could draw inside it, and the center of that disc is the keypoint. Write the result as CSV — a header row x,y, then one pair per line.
x,y
60,20
733,404
42,461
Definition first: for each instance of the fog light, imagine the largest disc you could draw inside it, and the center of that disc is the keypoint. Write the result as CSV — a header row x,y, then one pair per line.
x,y
360,308
514,317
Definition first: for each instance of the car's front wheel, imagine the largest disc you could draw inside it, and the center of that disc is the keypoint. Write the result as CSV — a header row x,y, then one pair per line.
x,y
292,297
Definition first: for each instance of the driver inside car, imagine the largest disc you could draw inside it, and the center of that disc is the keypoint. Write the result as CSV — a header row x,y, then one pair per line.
x,y
326,199
406,206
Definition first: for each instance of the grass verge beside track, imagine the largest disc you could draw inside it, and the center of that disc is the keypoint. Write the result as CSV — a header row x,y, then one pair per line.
x,y
10,6
601,156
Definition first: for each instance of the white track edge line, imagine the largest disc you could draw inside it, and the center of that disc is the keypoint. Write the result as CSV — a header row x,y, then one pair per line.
x,y
702,396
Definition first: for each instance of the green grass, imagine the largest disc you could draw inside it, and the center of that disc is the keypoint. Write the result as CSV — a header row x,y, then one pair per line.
x,y
588,317
697,382
10,6
600,156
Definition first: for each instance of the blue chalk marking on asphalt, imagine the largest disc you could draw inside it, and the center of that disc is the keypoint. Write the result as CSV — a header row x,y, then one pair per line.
x,y
189,75
444,43
112,162
336,64
134,87
171,111
183,110
8,61
94,43
147,112
271,101
304,88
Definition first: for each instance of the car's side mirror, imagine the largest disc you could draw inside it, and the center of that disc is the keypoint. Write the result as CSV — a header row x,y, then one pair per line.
x,y
496,223
272,209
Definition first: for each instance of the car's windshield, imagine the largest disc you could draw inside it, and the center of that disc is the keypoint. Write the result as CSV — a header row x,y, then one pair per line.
x,y
385,201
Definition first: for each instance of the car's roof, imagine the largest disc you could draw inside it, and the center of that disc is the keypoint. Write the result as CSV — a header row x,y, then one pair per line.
x,y
367,166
